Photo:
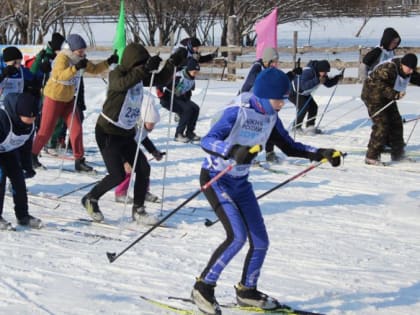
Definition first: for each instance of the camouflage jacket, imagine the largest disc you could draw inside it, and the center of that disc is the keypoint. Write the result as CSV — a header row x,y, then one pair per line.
x,y
378,88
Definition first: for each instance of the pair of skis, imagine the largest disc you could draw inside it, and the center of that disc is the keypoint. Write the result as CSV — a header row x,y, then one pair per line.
x,y
282,310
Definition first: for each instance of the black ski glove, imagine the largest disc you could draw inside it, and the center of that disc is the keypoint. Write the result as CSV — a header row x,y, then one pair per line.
x,y
339,77
153,63
242,154
178,57
158,155
81,64
10,71
113,58
331,155
297,71
29,173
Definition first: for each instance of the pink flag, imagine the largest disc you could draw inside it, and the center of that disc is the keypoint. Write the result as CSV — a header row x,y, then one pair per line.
x,y
266,30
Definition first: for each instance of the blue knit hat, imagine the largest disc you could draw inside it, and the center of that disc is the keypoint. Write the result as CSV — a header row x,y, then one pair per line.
x,y
272,83
76,42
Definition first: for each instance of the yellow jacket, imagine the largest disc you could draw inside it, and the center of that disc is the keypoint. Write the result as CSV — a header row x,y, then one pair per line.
x,y
62,71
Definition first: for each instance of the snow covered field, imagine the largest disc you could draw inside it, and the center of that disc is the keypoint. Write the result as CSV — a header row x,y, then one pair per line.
x,y
344,240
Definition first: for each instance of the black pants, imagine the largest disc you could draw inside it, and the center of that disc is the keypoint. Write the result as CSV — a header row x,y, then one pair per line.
x,y
307,105
188,112
387,129
10,167
115,151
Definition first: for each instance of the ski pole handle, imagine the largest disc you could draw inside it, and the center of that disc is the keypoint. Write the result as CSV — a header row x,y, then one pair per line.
x,y
255,149
335,155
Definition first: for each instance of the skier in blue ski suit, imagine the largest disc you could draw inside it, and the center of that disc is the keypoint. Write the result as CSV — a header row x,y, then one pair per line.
x,y
241,127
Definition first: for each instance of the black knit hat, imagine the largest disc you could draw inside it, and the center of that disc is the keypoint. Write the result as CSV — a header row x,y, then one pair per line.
x,y
56,41
27,105
323,66
409,60
192,64
195,42
12,53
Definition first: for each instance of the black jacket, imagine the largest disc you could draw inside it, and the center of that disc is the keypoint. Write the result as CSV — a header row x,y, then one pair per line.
x,y
19,128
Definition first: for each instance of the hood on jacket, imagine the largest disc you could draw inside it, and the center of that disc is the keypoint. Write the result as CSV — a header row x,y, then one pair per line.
x,y
134,55
388,36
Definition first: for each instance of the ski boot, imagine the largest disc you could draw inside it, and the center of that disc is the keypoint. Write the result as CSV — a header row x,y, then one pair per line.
x,y
203,296
92,208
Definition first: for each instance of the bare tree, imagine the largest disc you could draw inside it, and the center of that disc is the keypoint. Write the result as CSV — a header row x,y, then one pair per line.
x,y
28,21
160,22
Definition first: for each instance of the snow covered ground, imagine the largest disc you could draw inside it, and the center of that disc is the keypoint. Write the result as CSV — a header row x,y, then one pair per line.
x,y
344,240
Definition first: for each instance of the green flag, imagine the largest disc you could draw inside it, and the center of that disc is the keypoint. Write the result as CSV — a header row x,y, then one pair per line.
x,y
119,40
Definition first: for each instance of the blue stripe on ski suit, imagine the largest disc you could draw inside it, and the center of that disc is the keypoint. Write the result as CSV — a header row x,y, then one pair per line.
x,y
236,203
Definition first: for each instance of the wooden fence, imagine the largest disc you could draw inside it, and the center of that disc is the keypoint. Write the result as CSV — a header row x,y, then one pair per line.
x,y
243,57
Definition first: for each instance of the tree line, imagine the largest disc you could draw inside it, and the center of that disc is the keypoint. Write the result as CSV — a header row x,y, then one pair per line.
x,y
29,21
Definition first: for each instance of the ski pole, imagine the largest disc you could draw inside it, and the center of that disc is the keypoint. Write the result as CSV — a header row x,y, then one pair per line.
x,y
411,132
410,120
205,93
297,64
113,256
77,189
171,107
329,101
209,223
374,115
344,115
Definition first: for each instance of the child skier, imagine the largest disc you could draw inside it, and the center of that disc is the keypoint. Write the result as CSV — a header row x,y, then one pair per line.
x,y
115,129
232,196
386,84
59,97
389,42
313,75
187,110
16,127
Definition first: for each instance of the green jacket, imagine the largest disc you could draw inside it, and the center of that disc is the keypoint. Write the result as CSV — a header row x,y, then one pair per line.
x,y
126,75
46,54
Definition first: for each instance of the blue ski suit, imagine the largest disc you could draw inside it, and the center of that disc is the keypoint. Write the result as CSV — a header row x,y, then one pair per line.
x,y
232,196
